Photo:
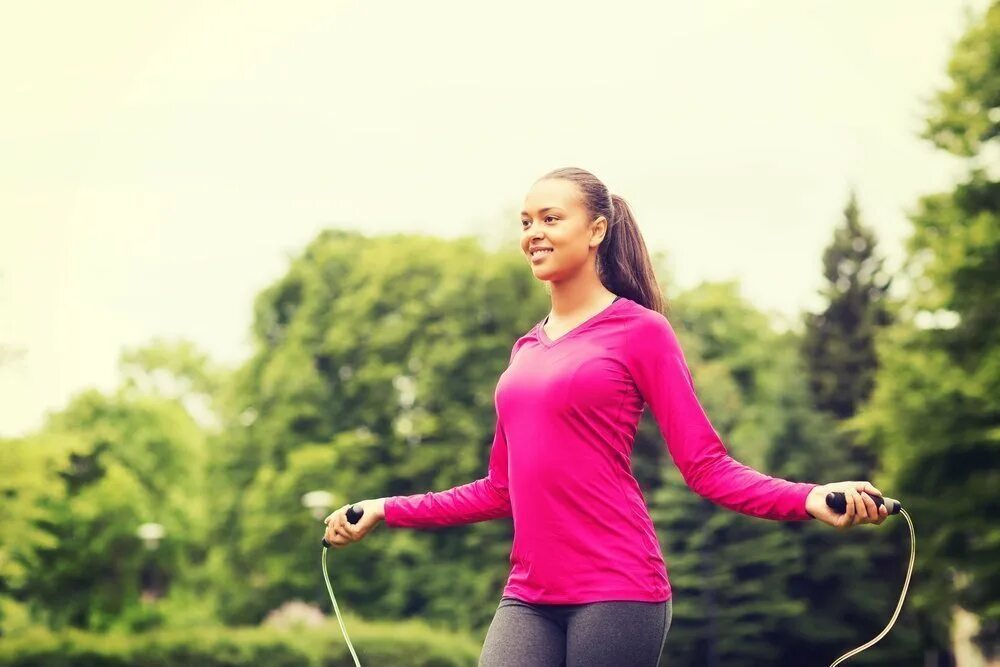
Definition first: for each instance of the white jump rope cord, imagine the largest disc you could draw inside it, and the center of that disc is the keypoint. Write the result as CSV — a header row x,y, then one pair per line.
x,y
892,621
336,610
906,583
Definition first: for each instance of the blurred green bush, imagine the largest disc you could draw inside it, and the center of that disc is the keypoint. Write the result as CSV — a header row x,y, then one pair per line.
x,y
407,644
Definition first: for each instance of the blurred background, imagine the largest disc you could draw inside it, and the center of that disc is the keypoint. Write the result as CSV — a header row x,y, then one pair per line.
x,y
257,263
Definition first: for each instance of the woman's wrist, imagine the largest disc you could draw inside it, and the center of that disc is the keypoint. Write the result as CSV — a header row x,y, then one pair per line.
x,y
815,496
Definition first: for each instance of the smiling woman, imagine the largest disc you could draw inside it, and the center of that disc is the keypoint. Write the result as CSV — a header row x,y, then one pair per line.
x,y
585,555
570,221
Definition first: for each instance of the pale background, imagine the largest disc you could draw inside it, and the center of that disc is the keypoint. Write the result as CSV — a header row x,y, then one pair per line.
x,y
161,163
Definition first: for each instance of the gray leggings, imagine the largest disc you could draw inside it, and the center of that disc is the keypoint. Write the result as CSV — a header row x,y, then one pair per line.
x,y
595,634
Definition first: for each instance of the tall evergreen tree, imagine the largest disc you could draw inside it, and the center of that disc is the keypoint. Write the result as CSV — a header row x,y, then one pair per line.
x,y
854,577
838,345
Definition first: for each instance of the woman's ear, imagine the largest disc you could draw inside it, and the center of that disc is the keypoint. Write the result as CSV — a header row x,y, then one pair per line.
x,y
598,230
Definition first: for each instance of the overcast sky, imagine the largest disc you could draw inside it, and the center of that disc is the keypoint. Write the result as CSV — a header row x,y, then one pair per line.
x,y
162,162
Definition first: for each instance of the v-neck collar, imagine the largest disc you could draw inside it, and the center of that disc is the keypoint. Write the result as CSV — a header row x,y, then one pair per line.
x,y
544,339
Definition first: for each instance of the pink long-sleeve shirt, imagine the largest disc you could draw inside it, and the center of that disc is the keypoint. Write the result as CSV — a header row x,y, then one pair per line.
x,y
560,464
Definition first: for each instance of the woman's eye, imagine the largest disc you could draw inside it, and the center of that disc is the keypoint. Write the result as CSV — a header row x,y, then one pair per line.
x,y
547,218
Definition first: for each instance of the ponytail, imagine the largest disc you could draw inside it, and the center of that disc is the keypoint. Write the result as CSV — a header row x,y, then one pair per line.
x,y
623,263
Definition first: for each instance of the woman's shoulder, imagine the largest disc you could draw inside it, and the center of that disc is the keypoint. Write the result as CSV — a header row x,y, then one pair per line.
x,y
647,330
645,321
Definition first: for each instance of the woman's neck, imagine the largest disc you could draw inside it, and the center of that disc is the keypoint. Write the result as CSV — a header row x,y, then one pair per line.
x,y
578,298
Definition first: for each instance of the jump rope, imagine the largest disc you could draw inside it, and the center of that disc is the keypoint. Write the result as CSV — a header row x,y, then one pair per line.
x,y
837,501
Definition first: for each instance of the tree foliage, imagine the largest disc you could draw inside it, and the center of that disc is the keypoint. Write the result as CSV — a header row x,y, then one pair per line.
x,y
935,412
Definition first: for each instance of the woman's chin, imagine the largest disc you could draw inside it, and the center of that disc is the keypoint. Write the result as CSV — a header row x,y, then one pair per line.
x,y
542,274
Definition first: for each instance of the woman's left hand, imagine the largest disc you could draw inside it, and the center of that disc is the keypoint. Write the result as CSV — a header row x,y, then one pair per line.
x,y
860,506
340,533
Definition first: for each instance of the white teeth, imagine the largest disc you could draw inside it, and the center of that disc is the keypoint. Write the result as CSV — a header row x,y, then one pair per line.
x,y
538,253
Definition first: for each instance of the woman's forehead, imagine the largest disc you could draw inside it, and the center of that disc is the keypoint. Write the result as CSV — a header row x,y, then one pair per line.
x,y
552,193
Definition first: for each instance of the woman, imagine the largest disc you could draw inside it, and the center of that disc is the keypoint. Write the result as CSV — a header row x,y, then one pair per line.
x,y
588,584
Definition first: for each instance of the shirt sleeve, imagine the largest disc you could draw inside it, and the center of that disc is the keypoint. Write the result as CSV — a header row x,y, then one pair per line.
x,y
484,499
661,374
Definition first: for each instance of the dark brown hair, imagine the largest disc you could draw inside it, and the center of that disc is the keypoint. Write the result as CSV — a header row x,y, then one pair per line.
x,y
623,263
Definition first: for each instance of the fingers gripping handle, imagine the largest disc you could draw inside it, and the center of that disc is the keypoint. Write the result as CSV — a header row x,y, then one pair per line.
x,y
837,501
353,516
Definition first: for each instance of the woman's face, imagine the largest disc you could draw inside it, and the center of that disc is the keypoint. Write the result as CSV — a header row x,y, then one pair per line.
x,y
554,218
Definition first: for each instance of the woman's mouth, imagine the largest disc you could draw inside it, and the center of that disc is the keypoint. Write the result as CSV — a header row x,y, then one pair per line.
x,y
540,255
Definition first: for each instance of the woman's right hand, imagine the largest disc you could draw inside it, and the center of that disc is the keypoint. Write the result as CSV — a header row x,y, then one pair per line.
x,y
860,506
339,532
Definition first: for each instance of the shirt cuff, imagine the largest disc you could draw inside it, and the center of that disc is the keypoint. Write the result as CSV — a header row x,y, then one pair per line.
x,y
806,490
389,509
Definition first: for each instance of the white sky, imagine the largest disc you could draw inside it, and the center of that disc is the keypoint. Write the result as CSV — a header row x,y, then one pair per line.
x,y
161,162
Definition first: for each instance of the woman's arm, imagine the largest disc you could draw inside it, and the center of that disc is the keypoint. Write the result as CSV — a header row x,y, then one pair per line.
x,y
660,371
481,500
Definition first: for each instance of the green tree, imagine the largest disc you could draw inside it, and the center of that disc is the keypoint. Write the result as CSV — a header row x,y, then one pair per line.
x,y
80,488
96,471
30,495
839,342
935,412
376,359
847,584
179,371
